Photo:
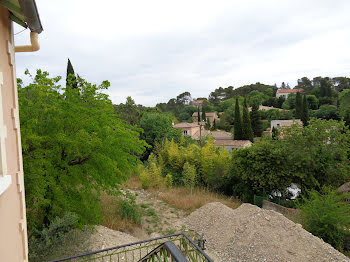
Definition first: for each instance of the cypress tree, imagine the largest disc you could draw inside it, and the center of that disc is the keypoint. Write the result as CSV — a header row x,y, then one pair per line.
x,y
207,124
198,116
247,131
298,106
70,78
237,123
305,112
204,118
275,133
256,120
214,125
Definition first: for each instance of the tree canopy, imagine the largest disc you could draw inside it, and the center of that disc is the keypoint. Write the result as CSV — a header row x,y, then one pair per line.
x,y
74,146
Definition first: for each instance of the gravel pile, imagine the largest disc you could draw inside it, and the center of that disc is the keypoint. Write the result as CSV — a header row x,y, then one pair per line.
x,y
106,238
250,233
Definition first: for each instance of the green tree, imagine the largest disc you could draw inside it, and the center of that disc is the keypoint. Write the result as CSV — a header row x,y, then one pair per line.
x,y
198,115
327,112
256,120
298,106
74,146
327,216
204,118
318,153
275,133
311,157
207,124
158,126
305,112
70,78
247,131
189,175
128,111
214,125
237,123
312,102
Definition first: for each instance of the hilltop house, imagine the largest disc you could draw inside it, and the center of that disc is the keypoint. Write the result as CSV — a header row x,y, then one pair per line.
x,y
13,226
188,129
210,115
193,130
286,92
284,123
265,108
198,102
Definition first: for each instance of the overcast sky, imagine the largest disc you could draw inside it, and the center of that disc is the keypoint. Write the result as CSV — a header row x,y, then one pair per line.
x,y
156,49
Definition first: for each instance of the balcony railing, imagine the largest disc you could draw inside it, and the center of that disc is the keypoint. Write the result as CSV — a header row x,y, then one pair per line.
x,y
176,247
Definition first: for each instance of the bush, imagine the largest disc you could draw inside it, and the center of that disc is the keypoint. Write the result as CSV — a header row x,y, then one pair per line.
x,y
128,209
168,180
41,242
327,216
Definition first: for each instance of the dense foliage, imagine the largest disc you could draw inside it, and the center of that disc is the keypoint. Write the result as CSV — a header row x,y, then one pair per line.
x,y
187,164
327,216
74,146
312,157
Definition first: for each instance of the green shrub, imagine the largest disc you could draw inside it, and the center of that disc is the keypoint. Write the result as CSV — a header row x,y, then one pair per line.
x,y
168,180
128,209
41,242
326,216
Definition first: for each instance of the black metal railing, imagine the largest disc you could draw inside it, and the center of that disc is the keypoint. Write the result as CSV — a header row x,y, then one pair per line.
x,y
165,252
140,251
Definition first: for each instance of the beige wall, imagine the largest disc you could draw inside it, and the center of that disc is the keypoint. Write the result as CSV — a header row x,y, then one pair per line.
x,y
190,130
13,228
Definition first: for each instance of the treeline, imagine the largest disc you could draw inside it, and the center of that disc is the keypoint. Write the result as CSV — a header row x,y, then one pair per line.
x,y
311,157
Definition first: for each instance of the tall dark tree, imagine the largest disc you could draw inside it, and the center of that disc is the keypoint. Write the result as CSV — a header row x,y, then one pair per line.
x,y
256,120
305,112
207,124
204,118
275,133
237,122
198,115
71,80
298,106
247,131
214,125
283,86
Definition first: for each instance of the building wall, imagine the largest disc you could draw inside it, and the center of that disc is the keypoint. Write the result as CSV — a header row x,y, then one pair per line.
x,y
190,130
13,227
282,94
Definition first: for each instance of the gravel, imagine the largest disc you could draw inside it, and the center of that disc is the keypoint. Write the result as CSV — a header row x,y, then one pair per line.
x,y
250,233
104,237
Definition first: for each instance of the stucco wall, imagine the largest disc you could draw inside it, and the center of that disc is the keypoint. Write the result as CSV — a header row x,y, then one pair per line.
x,y
13,232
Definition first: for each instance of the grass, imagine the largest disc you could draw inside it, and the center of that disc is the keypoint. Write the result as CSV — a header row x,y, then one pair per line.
x,y
179,197
145,205
113,217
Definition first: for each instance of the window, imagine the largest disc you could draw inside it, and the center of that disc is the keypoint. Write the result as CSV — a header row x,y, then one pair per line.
x,y
185,132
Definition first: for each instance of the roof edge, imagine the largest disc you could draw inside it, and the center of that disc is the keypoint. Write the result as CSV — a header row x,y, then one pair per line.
x,y
30,11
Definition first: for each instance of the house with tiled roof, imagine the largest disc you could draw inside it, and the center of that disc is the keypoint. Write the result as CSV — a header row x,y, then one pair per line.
x,y
210,115
286,92
265,108
198,102
188,129
285,123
